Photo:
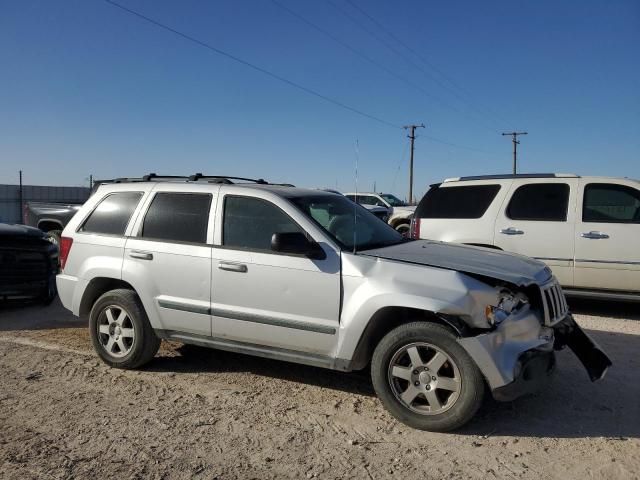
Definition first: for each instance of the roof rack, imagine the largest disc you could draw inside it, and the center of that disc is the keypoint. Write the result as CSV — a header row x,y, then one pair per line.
x,y
511,175
154,177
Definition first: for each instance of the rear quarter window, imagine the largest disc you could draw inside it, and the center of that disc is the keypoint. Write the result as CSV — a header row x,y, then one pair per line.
x,y
468,201
112,215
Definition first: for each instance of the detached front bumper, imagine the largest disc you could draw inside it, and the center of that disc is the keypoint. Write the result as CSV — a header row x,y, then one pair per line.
x,y
517,358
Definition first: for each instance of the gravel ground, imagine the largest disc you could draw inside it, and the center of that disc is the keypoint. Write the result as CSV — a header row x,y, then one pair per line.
x,y
196,413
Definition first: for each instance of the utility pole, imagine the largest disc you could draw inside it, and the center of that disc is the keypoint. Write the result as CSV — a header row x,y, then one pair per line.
x,y
412,137
91,182
20,208
516,142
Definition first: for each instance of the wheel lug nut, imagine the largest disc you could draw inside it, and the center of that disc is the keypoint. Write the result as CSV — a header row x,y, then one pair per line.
x,y
426,369
415,372
428,387
433,378
417,383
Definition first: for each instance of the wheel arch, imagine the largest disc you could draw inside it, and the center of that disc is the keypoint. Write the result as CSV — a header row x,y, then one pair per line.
x,y
97,287
47,224
386,319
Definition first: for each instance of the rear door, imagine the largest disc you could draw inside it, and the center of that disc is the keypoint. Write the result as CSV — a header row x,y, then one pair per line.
x,y
608,236
538,220
168,260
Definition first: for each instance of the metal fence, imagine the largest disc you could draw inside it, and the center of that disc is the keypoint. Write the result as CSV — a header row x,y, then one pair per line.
x,y
11,209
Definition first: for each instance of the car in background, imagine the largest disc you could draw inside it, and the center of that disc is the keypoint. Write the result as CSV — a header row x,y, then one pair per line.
x,y
585,228
381,212
28,264
399,213
50,217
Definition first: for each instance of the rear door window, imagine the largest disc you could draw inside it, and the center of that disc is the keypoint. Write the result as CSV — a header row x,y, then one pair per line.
x,y
468,201
178,217
112,214
610,203
540,202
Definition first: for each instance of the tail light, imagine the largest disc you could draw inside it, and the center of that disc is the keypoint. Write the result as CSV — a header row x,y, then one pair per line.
x,y
65,248
415,228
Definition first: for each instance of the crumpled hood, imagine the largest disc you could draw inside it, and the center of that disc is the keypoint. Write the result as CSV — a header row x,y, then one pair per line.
x,y
509,267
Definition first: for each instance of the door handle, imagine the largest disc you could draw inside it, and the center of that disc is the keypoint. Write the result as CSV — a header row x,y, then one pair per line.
x,y
141,255
594,235
511,231
233,267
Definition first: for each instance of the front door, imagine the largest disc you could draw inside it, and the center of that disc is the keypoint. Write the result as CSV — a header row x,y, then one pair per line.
x,y
538,221
168,260
608,237
268,298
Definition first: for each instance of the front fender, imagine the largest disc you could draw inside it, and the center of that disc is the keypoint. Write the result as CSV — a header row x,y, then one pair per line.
x,y
372,284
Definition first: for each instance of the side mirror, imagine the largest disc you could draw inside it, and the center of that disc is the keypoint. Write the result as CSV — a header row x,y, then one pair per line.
x,y
296,243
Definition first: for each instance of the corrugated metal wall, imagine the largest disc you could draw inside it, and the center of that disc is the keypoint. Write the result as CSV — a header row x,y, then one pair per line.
x,y
11,210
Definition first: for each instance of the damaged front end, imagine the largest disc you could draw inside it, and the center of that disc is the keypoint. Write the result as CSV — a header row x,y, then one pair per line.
x,y
517,355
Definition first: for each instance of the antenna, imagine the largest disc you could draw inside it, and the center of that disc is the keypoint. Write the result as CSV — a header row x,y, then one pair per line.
x,y
355,204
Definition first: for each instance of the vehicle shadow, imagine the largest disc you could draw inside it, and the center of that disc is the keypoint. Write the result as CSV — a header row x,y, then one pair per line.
x,y
194,359
24,315
570,407
605,308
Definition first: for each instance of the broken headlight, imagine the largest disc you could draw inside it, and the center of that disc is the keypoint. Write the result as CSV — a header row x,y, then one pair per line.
x,y
508,303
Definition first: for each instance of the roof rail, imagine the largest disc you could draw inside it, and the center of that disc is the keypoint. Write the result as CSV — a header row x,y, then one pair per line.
x,y
154,177
511,176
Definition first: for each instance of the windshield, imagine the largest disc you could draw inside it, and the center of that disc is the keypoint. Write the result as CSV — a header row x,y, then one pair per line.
x,y
393,200
346,221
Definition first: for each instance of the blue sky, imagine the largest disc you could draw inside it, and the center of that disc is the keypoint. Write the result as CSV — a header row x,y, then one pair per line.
x,y
89,89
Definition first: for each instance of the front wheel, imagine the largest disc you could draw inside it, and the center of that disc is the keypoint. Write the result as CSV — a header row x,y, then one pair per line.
x,y
120,330
425,378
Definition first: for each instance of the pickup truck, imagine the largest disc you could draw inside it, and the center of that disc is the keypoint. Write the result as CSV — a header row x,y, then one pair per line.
x,y
49,217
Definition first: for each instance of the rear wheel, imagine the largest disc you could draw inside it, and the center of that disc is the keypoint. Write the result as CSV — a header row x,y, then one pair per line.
x,y
55,236
403,228
425,378
120,330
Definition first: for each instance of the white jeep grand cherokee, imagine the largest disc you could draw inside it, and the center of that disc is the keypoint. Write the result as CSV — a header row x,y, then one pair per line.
x,y
306,276
585,228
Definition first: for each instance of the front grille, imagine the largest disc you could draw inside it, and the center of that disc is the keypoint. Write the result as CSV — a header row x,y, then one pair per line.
x,y
555,305
20,266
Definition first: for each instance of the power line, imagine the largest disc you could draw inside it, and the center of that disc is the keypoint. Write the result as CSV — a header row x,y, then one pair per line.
x,y
428,64
253,66
356,51
409,61
276,76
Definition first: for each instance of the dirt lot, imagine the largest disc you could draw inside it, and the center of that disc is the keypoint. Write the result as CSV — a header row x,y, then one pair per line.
x,y
196,413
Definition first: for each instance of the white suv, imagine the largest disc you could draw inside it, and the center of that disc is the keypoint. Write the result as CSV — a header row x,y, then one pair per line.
x,y
399,216
587,229
307,276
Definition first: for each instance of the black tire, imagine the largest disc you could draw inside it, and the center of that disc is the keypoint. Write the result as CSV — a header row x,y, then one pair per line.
x,y
143,345
55,234
457,407
50,291
403,228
